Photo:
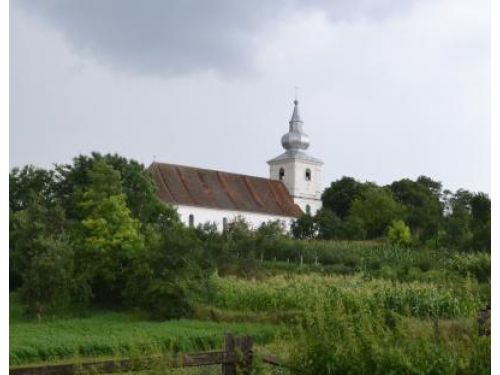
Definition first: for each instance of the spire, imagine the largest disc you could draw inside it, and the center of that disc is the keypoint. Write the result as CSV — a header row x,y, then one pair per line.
x,y
295,139
295,114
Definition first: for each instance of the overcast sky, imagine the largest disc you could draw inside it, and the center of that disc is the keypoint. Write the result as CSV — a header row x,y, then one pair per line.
x,y
388,88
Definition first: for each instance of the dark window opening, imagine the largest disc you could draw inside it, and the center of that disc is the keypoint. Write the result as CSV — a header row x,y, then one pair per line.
x,y
281,174
191,220
308,209
308,174
224,223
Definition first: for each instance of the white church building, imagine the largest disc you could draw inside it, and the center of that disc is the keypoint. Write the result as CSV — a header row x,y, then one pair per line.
x,y
202,195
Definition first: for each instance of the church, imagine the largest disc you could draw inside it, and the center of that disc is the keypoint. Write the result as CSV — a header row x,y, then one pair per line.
x,y
203,195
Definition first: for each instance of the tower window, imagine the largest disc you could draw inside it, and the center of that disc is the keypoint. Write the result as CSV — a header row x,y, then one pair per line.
x,y
224,223
308,174
281,174
191,220
308,209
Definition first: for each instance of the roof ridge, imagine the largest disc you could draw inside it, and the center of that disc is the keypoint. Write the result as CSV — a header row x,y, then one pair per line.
x,y
211,170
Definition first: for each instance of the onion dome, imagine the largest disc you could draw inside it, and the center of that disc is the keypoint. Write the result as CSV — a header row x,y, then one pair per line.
x,y
295,139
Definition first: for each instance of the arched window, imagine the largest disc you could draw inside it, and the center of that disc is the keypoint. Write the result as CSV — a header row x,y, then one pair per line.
x,y
308,174
191,220
308,209
281,174
224,223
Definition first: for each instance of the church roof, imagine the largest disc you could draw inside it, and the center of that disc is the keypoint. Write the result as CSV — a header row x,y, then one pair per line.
x,y
182,185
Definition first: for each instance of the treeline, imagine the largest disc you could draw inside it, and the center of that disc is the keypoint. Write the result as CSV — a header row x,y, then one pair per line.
x,y
93,232
406,212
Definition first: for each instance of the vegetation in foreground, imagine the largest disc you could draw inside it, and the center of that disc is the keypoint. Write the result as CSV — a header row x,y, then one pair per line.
x,y
105,334
92,236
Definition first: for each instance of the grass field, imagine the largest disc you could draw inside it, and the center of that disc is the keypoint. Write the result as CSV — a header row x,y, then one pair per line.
x,y
109,334
415,311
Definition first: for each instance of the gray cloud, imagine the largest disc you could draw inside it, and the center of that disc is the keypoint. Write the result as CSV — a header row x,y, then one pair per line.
x,y
172,37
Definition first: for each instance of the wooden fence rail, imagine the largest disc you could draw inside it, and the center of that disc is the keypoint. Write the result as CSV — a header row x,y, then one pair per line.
x,y
237,354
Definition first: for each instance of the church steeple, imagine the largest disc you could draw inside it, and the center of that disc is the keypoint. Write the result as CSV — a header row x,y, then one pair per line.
x,y
300,172
295,139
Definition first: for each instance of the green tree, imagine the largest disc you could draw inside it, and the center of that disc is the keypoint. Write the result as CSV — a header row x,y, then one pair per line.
x,y
238,253
41,258
377,209
352,228
137,185
481,221
340,195
421,199
29,183
329,224
304,227
165,279
108,235
398,233
458,222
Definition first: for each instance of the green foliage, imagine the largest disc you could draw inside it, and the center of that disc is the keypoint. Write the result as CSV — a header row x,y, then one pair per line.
x,y
398,233
377,209
298,293
329,224
353,228
421,199
353,336
481,221
164,279
48,281
137,186
90,221
340,195
108,236
111,334
41,257
28,184
353,210
304,227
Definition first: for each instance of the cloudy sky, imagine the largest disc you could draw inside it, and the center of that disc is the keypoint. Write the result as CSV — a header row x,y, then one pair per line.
x,y
388,88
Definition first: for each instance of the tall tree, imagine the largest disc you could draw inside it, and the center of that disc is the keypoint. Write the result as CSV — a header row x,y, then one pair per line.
x,y
458,223
377,209
41,257
137,185
422,201
304,227
340,195
109,235
481,221
29,183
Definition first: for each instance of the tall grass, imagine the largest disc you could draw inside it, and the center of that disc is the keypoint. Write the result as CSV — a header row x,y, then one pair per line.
x,y
282,293
355,336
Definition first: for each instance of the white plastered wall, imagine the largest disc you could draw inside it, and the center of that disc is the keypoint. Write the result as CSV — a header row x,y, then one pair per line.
x,y
203,215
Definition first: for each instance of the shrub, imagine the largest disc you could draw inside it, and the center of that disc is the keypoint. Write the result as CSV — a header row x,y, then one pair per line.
x,y
398,233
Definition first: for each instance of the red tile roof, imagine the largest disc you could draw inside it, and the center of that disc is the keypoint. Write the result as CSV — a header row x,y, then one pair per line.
x,y
181,185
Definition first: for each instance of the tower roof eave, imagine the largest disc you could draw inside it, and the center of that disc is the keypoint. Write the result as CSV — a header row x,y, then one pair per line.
x,y
295,155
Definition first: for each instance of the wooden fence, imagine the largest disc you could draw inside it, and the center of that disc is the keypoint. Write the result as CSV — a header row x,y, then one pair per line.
x,y
236,357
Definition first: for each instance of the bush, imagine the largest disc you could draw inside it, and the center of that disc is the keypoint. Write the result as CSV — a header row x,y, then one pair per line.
x,y
398,233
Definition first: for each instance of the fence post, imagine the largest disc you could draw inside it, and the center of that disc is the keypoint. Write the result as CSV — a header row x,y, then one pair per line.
x,y
246,346
229,368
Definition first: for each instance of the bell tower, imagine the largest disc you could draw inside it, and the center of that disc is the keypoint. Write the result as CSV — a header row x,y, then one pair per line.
x,y
300,172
